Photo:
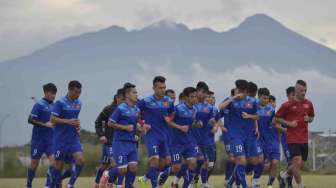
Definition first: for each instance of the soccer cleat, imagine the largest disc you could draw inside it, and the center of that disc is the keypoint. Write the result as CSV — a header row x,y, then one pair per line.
x,y
172,185
282,182
143,182
103,183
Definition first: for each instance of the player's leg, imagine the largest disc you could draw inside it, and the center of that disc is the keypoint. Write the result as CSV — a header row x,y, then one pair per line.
x,y
240,161
59,154
199,162
274,158
105,162
211,153
165,163
78,157
36,152
152,145
190,153
258,166
230,163
50,168
132,167
204,172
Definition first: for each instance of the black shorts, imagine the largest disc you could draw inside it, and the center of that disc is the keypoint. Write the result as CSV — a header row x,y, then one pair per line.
x,y
298,150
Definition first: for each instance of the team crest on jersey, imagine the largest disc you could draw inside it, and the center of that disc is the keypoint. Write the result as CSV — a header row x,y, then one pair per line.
x,y
205,109
248,105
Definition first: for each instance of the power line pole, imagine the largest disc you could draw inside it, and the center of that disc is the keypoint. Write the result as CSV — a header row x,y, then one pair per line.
x,y
2,121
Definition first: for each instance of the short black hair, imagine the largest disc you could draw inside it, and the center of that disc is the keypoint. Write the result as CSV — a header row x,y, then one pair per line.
x,y
272,98
169,91
50,87
202,85
232,91
181,96
211,93
188,90
74,84
241,84
290,90
252,87
159,79
301,82
120,92
127,88
263,91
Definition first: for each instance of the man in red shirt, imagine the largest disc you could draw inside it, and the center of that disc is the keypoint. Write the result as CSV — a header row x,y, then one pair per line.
x,y
296,114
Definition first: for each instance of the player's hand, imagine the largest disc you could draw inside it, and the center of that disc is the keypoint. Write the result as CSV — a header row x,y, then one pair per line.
x,y
78,129
238,96
103,139
257,133
245,115
74,122
212,122
168,119
307,118
129,128
198,124
293,124
224,129
184,128
146,127
49,124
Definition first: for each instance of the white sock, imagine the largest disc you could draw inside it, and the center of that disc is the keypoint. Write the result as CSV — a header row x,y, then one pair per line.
x,y
300,185
284,175
255,181
176,180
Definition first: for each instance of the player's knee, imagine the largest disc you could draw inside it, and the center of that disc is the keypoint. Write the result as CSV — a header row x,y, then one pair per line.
x,y
176,168
241,160
123,171
133,167
192,164
154,162
34,164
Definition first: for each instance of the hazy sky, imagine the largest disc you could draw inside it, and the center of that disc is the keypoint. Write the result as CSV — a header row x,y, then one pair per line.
x,y
27,25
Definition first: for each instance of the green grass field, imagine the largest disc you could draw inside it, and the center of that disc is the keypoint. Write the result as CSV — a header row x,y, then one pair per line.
x,y
311,181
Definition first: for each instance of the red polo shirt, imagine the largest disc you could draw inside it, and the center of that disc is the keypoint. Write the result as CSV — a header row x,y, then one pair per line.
x,y
296,110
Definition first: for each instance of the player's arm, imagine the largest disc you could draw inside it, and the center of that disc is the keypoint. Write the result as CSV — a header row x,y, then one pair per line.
x,y
34,121
309,117
55,116
254,117
172,124
100,122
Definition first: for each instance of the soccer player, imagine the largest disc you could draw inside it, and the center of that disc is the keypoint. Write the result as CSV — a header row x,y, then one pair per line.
x,y
105,135
185,146
125,120
243,110
269,139
66,136
290,92
272,101
154,110
230,163
42,135
258,168
296,114
203,136
171,93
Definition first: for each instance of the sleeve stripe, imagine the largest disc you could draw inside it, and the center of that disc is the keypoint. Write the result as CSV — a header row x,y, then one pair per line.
x,y
54,113
34,115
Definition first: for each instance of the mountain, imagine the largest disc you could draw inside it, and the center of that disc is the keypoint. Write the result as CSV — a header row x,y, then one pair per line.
x,y
104,59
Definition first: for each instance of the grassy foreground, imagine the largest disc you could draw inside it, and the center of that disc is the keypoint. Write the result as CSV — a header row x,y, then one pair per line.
x,y
311,181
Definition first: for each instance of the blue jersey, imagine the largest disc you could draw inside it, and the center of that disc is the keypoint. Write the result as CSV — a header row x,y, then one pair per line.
x,y
240,127
204,113
153,112
125,114
65,108
226,114
184,115
41,111
268,133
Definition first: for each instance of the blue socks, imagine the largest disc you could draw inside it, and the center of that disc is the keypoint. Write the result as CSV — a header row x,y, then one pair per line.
x,y
240,175
76,171
153,175
56,178
189,177
120,180
258,169
99,174
270,180
129,180
113,174
30,177
67,173
229,167
204,175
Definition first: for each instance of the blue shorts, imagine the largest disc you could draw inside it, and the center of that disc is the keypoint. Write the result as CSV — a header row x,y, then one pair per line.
x,y
209,152
125,152
187,151
260,148
40,146
156,146
271,151
285,147
64,149
244,146
107,154
68,159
